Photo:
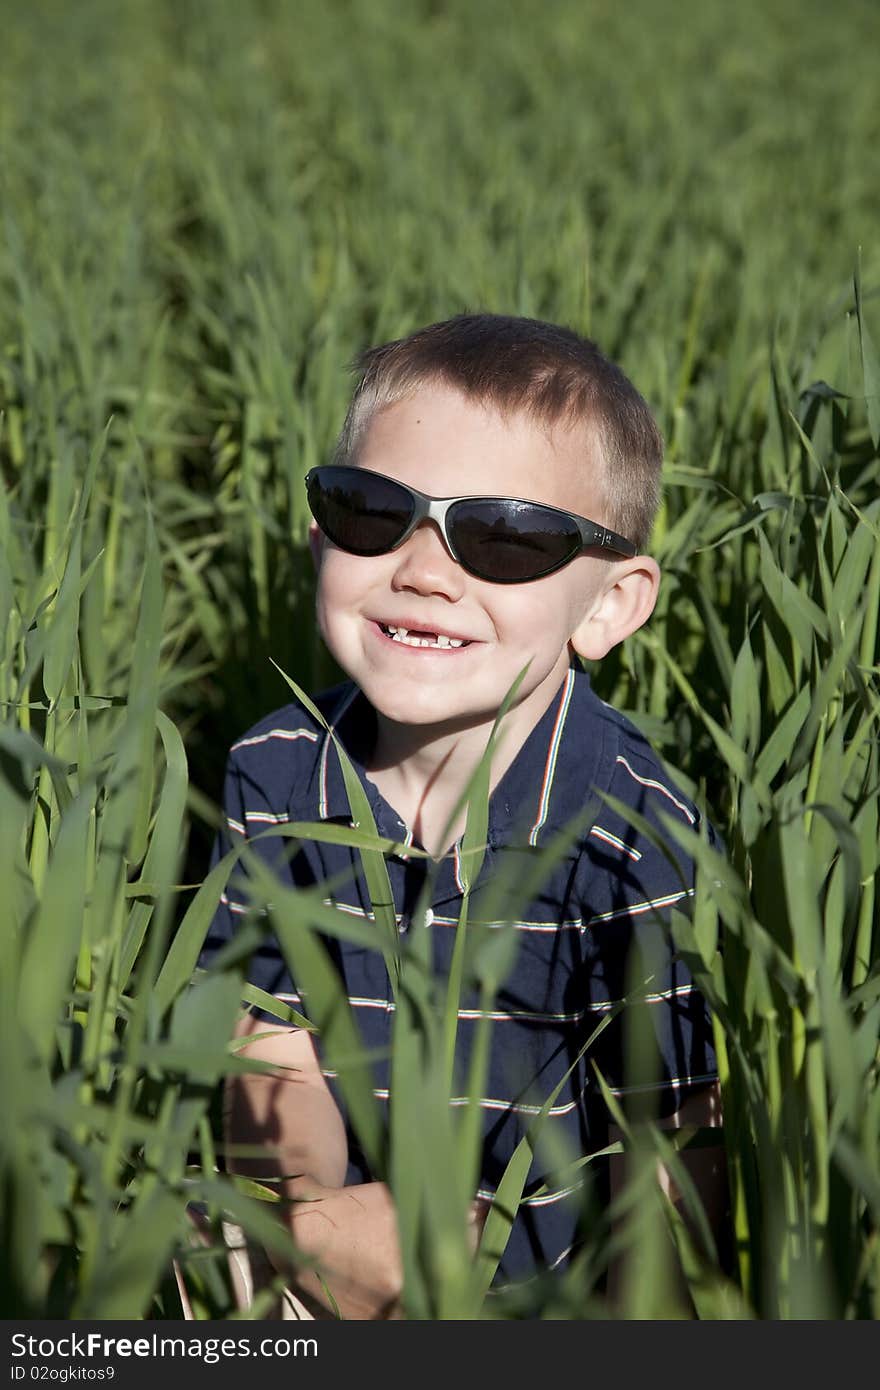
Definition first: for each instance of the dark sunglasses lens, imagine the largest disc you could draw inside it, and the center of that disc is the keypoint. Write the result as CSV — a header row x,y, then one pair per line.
x,y
511,542
359,511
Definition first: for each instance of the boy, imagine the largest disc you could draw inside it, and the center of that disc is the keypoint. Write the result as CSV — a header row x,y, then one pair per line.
x,y
433,607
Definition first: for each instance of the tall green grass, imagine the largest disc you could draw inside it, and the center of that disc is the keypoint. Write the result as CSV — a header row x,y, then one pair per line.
x,y
206,211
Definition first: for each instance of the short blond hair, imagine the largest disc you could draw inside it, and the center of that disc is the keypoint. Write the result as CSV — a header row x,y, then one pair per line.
x,y
522,364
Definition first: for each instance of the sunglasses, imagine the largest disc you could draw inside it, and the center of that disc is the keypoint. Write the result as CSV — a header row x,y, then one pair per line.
x,y
504,540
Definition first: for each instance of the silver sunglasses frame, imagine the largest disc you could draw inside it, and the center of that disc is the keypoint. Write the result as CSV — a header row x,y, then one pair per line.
x,y
436,509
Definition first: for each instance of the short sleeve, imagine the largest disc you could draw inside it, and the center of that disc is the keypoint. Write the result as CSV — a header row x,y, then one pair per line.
x,y
657,1046
266,968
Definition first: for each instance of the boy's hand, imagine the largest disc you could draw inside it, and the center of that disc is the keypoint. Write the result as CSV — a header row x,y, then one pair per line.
x,y
351,1232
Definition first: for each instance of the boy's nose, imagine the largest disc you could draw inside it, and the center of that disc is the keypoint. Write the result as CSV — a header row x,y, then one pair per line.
x,y
425,566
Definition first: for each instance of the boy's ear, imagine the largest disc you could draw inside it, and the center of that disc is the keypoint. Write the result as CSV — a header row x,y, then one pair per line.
x,y
316,543
625,602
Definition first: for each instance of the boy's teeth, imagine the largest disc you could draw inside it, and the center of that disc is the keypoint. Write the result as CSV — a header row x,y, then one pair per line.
x,y
402,634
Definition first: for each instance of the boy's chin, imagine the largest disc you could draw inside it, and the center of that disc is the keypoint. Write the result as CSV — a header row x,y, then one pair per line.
x,y
428,711
440,717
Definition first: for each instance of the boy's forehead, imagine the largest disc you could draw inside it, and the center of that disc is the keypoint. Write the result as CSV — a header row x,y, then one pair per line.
x,y
447,443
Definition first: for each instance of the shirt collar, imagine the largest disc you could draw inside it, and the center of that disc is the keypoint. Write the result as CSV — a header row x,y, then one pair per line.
x,y
546,786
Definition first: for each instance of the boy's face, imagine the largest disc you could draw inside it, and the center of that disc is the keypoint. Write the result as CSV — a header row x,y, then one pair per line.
x,y
445,445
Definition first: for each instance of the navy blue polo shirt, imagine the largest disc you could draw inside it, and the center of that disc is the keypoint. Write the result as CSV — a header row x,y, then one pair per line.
x,y
595,930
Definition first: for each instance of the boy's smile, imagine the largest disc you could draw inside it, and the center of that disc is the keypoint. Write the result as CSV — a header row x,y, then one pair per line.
x,y
429,644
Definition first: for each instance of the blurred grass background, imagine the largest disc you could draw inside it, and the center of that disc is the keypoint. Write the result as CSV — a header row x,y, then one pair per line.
x,y
207,209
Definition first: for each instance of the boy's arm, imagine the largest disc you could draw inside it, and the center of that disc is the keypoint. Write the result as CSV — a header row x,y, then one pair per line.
x,y
706,1167
350,1231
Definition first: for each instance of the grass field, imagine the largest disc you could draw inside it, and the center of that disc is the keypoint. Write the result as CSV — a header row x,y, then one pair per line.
x,y
207,209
